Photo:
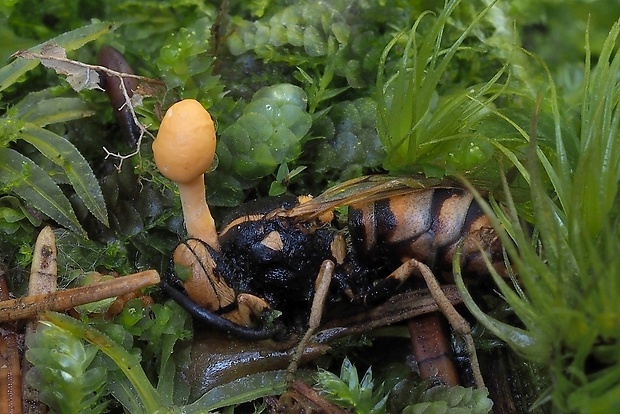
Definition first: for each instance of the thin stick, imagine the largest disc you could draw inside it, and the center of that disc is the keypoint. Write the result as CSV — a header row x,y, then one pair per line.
x,y
456,320
321,290
302,391
30,306
10,369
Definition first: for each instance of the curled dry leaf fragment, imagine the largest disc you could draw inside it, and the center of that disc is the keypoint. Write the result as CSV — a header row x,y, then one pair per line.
x,y
43,282
80,76
43,271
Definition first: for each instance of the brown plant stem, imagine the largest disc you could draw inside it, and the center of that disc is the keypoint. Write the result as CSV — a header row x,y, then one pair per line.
x,y
10,369
30,306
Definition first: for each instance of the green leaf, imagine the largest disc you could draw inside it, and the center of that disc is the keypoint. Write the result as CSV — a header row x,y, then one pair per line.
x,y
276,189
420,123
41,109
63,360
64,154
452,400
20,175
128,363
244,389
348,391
69,41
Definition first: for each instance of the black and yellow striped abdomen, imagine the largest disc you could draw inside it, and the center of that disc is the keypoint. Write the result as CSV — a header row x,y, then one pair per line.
x,y
427,225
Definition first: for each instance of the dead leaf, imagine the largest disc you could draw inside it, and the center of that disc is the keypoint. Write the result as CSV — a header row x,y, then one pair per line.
x,y
79,75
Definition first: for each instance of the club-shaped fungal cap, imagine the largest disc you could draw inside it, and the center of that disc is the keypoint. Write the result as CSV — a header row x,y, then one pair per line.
x,y
185,143
184,151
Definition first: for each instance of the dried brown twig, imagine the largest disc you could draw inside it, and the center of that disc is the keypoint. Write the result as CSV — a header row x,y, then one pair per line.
x,y
30,306
42,294
10,370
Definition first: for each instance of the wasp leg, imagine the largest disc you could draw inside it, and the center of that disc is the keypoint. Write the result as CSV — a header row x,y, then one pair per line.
x,y
390,284
321,289
456,320
387,287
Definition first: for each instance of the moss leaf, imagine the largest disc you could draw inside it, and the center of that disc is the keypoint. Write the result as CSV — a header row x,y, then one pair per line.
x,y
64,154
41,109
244,389
29,181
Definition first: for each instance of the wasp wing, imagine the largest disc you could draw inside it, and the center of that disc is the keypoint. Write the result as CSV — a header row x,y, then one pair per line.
x,y
366,189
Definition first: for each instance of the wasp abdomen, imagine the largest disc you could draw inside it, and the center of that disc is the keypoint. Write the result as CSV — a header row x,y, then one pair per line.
x,y
427,225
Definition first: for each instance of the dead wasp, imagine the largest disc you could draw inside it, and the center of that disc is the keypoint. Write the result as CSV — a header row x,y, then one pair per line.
x,y
284,253
271,250
265,261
